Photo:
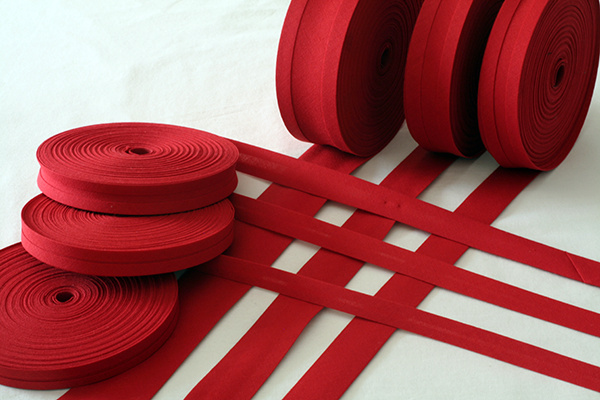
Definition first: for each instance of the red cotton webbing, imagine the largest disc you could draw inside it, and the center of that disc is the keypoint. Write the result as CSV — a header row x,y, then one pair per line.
x,y
204,299
537,78
418,266
346,357
340,71
256,355
137,168
61,329
114,245
367,196
408,318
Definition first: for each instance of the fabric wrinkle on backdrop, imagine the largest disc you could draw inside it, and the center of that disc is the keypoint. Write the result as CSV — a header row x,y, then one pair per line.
x,y
211,66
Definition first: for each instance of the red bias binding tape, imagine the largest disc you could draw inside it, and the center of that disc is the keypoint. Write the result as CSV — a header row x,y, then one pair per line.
x,y
407,318
113,245
137,168
537,79
340,71
61,329
442,74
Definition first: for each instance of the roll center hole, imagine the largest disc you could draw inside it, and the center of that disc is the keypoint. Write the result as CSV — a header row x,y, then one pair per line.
x,y
385,58
140,151
559,76
64,297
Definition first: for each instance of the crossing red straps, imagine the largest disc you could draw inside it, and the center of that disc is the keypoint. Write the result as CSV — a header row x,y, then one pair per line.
x,y
340,71
537,78
137,168
61,329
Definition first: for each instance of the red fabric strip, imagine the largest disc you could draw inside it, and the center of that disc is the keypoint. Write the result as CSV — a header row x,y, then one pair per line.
x,y
113,245
408,318
205,299
358,343
137,168
61,329
537,78
418,266
340,71
364,195
260,350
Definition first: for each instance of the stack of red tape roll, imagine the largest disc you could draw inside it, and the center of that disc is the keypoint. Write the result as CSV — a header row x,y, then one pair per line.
x,y
120,201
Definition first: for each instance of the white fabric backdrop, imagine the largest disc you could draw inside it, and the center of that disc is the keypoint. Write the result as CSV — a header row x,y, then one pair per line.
x,y
210,65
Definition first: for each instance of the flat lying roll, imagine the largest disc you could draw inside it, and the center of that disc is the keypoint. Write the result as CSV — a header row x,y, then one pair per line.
x,y
442,74
537,79
112,245
61,329
137,168
340,71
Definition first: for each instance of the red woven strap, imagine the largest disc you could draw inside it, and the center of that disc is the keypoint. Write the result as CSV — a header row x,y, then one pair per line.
x,y
256,355
415,265
340,71
442,74
537,78
112,245
137,168
335,370
61,329
408,318
418,214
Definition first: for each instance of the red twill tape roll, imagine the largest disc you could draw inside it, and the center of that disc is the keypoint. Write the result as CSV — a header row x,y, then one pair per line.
x,y
137,168
61,329
112,245
340,71
442,74
537,79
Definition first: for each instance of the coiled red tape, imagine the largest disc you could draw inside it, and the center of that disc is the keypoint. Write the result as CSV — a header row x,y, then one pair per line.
x,y
523,95
537,79
112,245
61,329
137,168
442,74
340,71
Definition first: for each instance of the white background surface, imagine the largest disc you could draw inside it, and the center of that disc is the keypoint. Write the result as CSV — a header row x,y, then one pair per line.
x,y
210,65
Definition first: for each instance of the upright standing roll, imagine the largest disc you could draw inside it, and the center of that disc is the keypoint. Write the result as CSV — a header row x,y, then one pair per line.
x,y
340,71
537,79
442,74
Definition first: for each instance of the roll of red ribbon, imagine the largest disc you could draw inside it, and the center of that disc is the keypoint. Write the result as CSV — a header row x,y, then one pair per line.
x,y
340,71
137,168
61,329
442,74
112,245
537,78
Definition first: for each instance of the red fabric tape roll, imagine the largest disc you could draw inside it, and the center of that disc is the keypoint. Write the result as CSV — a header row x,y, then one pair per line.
x,y
537,79
137,168
442,74
112,245
61,329
340,71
